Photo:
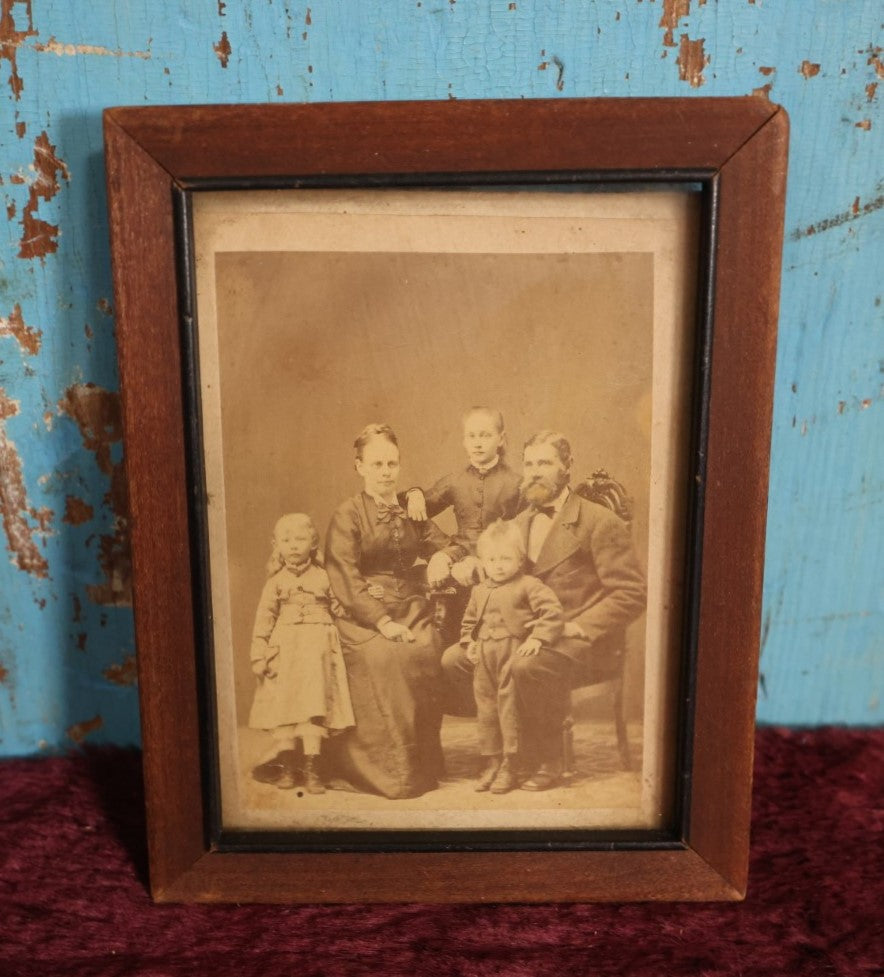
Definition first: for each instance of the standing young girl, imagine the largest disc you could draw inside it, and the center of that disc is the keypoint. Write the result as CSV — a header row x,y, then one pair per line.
x,y
302,691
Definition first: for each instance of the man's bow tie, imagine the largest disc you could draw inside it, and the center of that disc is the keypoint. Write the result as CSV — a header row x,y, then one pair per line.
x,y
388,512
546,510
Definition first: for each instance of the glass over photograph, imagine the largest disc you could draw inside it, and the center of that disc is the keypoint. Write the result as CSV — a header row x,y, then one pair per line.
x,y
445,439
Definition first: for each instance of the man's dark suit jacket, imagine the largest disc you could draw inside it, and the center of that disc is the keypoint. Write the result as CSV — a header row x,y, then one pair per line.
x,y
589,563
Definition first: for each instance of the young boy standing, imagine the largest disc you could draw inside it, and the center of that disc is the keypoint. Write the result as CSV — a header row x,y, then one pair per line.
x,y
510,613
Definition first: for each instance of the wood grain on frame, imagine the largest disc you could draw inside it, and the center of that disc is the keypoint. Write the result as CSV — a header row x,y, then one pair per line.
x,y
740,145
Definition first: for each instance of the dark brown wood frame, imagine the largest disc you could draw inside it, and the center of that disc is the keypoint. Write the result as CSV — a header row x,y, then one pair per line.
x,y
736,150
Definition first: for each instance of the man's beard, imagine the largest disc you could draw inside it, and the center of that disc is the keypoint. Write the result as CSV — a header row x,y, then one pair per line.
x,y
540,490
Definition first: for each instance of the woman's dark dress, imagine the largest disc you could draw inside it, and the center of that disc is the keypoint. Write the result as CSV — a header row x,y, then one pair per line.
x,y
395,686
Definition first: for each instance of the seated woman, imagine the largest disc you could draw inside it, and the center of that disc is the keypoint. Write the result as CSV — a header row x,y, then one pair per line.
x,y
391,649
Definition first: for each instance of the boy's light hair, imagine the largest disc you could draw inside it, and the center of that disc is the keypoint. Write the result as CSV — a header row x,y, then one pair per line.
x,y
276,562
502,533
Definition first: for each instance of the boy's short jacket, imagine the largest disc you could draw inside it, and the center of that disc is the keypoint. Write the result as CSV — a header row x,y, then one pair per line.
x,y
526,606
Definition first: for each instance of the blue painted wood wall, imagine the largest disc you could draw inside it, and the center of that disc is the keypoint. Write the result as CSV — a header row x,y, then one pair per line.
x,y
66,640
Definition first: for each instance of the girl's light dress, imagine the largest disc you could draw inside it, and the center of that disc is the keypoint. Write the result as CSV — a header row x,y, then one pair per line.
x,y
295,634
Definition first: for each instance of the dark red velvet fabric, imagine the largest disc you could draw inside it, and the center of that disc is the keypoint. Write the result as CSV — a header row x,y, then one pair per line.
x,y
73,899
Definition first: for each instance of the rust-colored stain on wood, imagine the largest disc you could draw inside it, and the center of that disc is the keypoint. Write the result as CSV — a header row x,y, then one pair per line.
x,y
28,337
76,511
4,674
14,505
11,39
673,11
691,60
125,673
79,731
809,69
222,49
39,237
96,412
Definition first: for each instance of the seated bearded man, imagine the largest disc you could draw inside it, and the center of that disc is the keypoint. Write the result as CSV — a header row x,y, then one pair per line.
x,y
583,552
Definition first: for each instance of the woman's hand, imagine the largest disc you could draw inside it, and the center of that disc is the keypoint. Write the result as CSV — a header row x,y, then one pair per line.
x,y
472,653
416,505
395,632
438,569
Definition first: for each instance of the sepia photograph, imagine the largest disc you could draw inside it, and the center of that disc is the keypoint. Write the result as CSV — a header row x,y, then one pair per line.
x,y
445,438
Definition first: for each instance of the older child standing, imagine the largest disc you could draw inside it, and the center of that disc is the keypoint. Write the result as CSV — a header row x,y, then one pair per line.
x,y
485,490
510,613
302,691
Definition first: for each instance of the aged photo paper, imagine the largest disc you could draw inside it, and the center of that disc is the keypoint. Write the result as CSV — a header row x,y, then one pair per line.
x,y
322,311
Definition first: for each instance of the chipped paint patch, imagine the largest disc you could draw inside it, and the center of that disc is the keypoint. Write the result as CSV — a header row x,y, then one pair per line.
x,y
96,412
76,511
855,212
874,59
11,39
809,69
865,124
28,338
123,674
673,12
222,49
871,89
691,60
70,50
79,731
4,674
39,237
104,307
766,70
14,505
560,78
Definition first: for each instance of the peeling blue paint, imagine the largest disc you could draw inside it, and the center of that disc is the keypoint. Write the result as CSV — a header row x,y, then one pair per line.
x,y
823,657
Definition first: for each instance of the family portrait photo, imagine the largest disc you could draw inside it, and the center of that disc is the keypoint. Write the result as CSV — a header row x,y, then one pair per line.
x,y
445,437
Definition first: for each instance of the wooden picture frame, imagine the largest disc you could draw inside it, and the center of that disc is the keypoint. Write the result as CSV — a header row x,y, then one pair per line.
x,y
732,153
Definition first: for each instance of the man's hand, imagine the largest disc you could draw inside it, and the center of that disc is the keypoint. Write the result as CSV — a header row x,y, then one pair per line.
x,y
468,571
529,647
395,632
472,653
438,569
416,505
573,630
